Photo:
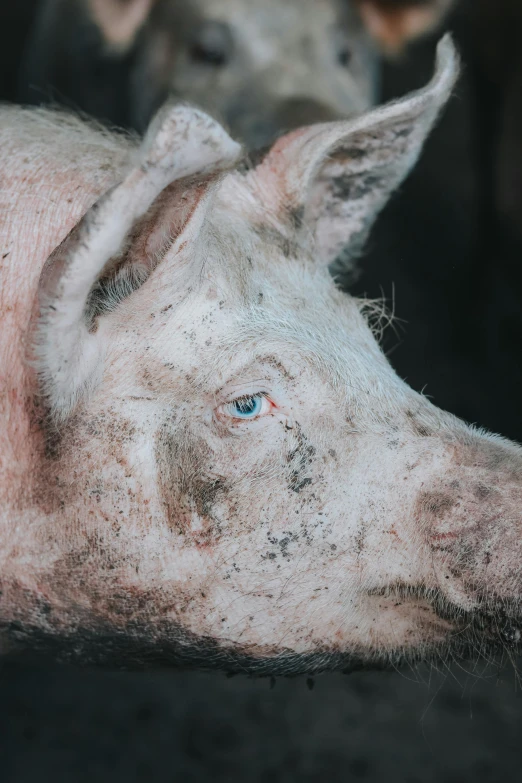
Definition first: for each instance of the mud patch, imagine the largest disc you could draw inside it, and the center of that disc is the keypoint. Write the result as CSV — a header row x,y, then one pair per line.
x,y
270,236
351,187
188,494
299,460
97,441
435,505
418,427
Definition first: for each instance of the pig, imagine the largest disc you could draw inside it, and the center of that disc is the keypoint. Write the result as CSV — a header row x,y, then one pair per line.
x,y
262,66
206,459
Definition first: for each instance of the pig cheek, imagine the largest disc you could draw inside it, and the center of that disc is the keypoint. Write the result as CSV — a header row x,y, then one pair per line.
x,y
253,533
214,489
288,574
238,538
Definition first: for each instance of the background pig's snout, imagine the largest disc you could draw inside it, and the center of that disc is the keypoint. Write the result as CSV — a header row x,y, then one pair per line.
x,y
302,111
258,131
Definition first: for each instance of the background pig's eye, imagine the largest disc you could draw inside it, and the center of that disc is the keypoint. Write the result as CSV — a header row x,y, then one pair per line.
x,y
212,44
344,57
251,406
341,45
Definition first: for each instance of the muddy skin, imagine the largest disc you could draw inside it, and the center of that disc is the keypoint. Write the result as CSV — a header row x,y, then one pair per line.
x,y
299,460
469,513
164,645
179,462
137,644
486,631
140,647
271,236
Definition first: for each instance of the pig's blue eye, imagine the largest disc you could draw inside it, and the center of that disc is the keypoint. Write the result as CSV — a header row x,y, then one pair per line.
x,y
247,407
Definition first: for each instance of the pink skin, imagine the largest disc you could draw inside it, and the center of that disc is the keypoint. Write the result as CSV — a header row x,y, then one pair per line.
x,y
142,514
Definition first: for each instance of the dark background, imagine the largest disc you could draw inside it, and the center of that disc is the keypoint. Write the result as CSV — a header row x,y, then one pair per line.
x,y
452,265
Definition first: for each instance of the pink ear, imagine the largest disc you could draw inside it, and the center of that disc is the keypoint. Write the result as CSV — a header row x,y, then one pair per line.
x,y
174,218
182,147
330,181
393,24
120,20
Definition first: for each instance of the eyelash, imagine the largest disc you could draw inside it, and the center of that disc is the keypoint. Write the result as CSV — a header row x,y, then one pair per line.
x,y
262,406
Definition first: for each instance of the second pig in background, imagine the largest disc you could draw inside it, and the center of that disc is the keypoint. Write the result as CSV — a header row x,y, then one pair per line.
x,y
260,66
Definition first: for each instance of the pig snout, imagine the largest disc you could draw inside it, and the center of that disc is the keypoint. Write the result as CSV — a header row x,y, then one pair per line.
x,y
471,518
260,131
302,111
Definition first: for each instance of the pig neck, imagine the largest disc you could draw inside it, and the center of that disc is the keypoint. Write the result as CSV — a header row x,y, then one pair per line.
x,y
37,210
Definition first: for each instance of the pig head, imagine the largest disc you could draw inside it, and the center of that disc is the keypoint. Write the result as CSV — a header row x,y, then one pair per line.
x,y
215,463
261,66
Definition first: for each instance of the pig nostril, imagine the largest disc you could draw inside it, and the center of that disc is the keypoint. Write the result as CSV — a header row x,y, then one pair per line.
x,y
210,56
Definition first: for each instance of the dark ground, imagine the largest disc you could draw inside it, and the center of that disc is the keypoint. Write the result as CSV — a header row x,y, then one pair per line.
x,y
58,725
458,292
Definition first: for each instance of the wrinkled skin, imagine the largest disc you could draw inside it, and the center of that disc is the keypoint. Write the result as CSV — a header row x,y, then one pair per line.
x,y
261,66
145,518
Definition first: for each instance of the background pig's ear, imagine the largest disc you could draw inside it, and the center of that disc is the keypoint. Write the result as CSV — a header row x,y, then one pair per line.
x,y
393,23
332,180
119,20
181,157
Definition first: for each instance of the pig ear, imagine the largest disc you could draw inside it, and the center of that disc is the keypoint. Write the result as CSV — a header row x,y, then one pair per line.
x,y
393,24
167,188
332,180
119,20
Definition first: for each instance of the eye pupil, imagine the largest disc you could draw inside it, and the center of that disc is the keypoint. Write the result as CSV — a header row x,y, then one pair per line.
x,y
247,407
212,44
345,57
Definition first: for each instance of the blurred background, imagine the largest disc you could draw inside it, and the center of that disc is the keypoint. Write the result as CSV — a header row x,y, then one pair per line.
x,y
446,254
